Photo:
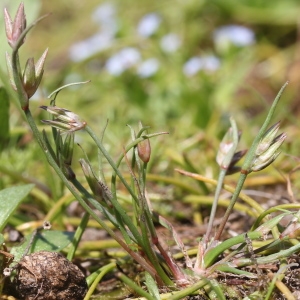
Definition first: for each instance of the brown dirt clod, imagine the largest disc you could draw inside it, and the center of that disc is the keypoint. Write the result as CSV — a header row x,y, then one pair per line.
x,y
48,275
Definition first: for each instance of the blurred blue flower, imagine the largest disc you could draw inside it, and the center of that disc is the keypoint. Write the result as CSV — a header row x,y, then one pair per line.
x,y
170,42
208,63
148,68
148,24
84,49
105,16
233,34
122,60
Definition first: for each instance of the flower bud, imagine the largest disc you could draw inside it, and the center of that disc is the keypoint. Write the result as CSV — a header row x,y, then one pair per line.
x,y
225,146
267,139
65,120
67,149
15,28
266,158
99,189
33,74
144,150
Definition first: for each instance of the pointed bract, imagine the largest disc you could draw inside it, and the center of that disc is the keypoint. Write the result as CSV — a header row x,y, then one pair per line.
x,y
39,66
8,26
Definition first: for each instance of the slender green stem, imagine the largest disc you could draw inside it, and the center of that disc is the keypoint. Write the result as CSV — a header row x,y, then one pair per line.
x,y
94,278
221,178
235,195
78,234
223,169
272,210
190,290
134,286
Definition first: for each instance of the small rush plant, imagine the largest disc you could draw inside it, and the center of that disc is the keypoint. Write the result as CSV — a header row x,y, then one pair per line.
x,y
135,231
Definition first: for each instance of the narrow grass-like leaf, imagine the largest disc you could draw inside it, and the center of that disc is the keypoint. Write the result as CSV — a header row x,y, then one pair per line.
x,y
152,286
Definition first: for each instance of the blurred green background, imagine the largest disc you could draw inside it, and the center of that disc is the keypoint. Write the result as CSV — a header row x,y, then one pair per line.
x,y
182,66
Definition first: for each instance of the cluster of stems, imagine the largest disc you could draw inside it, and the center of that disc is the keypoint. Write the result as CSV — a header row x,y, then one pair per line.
x,y
138,234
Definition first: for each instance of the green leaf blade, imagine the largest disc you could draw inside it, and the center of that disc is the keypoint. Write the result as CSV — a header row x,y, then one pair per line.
x,y
10,199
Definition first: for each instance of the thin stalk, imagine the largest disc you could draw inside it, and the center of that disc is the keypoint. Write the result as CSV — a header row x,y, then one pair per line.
x,y
95,278
78,234
223,170
272,210
248,161
147,225
235,195
134,286
190,290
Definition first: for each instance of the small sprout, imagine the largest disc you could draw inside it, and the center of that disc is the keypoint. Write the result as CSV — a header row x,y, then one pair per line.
x,y
15,28
65,120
